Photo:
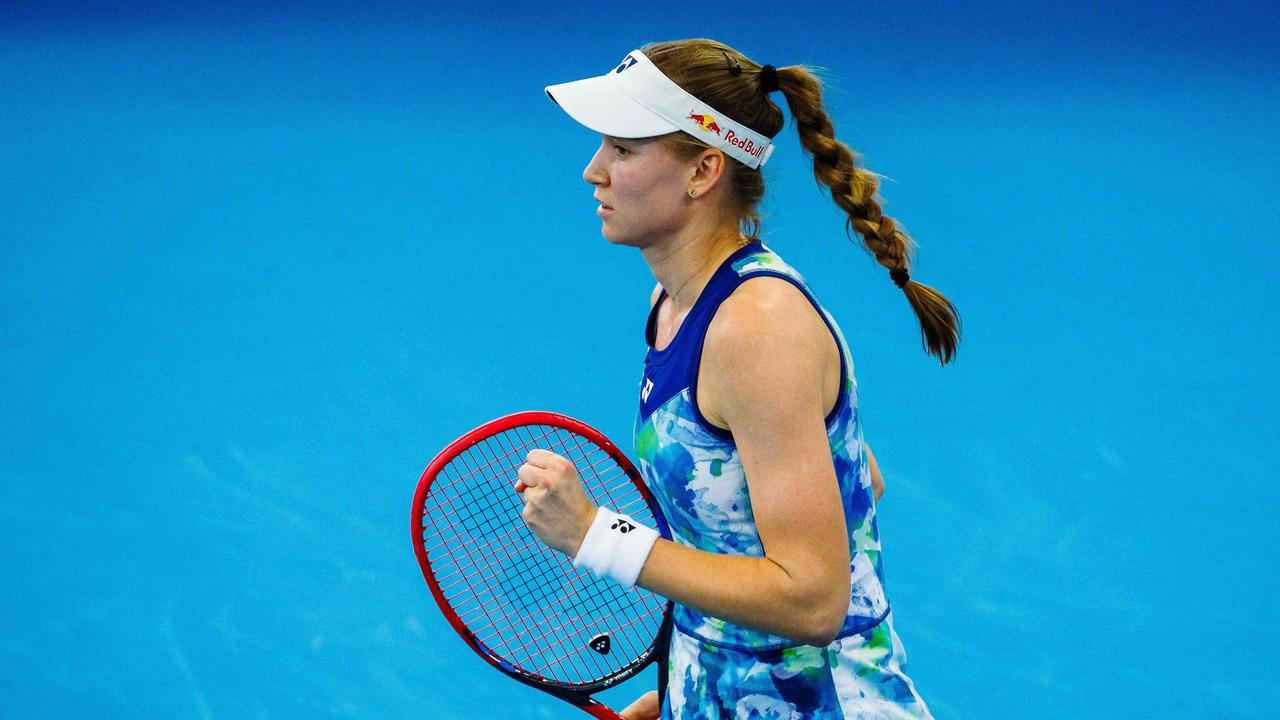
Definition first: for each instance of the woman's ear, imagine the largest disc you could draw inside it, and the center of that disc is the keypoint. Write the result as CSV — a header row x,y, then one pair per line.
x,y
708,169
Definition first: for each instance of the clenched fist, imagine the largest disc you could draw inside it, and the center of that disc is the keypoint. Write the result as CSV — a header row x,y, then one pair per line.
x,y
645,707
556,508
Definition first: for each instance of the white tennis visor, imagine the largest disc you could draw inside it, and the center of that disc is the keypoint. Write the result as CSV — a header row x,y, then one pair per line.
x,y
636,100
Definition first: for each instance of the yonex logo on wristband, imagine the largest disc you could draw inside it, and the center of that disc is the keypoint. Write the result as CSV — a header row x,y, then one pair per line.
x,y
615,555
644,392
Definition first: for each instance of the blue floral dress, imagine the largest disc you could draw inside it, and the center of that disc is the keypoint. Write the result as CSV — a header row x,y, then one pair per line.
x,y
718,669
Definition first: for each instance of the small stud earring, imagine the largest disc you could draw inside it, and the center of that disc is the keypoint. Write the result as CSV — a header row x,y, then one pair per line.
x,y
693,193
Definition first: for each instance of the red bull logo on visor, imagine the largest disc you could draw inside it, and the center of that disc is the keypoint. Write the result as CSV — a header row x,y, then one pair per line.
x,y
747,146
706,122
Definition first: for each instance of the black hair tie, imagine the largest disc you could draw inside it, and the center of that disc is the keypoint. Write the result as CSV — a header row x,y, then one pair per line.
x,y
768,79
899,276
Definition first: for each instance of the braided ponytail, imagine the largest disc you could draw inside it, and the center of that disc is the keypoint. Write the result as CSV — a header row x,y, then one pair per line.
x,y
854,189
729,81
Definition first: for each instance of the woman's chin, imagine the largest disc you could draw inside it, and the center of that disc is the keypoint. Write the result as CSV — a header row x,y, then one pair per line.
x,y
613,236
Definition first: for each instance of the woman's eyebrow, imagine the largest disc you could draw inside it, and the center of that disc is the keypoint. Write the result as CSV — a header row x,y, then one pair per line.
x,y
633,142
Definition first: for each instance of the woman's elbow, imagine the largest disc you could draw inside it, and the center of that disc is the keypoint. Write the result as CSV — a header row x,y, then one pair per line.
x,y
824,623
826,631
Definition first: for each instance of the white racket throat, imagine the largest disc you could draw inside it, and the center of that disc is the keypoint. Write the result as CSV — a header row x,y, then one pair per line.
x,y
615,547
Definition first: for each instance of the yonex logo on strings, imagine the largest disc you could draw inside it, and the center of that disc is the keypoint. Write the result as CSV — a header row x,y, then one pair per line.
x,y
600,643
622,526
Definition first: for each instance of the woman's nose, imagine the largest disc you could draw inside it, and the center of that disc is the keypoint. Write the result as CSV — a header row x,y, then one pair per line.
x,y
593,173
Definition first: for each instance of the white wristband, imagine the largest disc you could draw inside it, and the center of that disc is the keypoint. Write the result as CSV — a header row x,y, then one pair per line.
x,y
615,547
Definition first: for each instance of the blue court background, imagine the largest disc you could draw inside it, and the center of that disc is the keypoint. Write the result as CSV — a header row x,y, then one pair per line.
x,y
258,266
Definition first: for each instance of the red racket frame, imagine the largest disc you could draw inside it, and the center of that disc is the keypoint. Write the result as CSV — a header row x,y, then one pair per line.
x,y
580,698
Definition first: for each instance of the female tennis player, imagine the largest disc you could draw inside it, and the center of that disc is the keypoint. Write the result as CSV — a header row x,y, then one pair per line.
x,y
748,431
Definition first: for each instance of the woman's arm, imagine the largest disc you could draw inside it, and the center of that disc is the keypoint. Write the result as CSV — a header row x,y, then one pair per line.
x,y
877,480
764,359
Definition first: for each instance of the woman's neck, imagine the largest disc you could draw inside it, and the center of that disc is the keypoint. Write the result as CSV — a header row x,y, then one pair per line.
x,y
684,266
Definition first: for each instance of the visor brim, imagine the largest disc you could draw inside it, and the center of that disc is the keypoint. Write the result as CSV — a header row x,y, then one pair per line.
x,y
601,105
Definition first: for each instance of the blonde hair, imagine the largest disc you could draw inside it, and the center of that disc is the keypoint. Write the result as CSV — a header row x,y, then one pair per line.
x,y
729,81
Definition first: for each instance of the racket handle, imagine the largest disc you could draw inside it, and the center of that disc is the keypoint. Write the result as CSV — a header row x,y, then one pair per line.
x,y
596,710
520,486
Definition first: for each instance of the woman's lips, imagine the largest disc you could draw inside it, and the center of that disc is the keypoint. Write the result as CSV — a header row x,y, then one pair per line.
x,y
603,210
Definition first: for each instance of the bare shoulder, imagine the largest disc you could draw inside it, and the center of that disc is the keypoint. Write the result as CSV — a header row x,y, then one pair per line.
x,y
766,339
765,310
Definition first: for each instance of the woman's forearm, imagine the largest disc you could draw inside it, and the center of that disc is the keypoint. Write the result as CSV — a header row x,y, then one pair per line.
x,y
755,592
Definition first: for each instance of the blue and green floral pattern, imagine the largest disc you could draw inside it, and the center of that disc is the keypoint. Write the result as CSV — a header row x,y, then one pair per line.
x,y
719,669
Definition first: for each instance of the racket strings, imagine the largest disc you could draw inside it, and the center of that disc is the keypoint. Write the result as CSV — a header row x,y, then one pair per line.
x,y
614,493
541,587
524,601
466,603
490,565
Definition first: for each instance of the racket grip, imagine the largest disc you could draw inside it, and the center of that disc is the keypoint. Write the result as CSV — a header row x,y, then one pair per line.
x,y
600,712
521,487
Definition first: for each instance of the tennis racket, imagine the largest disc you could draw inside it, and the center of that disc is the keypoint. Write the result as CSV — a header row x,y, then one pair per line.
x,y
521,605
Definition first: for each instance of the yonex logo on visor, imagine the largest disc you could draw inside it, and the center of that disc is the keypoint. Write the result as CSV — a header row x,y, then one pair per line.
x,y
636,100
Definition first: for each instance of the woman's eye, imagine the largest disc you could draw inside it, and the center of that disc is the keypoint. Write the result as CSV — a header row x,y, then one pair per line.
x,y
621,150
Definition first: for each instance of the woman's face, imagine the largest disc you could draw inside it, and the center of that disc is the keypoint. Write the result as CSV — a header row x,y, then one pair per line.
x,y
642,188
